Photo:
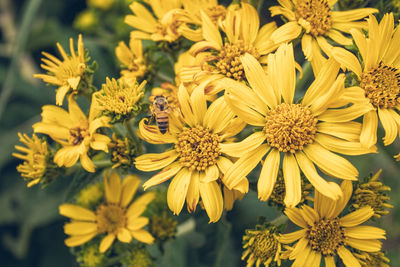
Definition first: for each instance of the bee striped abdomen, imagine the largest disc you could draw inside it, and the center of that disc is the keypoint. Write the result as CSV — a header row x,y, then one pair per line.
x,y
162,122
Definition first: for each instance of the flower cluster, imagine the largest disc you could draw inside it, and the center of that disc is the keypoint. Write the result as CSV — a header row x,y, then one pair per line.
x,y
220,103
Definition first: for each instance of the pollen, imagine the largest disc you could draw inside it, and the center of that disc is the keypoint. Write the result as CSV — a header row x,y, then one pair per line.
x,y
228,60
77,135
326,236
110,218
382,86
198,148
289,127
314,15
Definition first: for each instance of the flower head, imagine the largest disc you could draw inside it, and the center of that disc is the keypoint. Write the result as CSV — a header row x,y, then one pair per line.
x,y
131,58
327,235
36,157
368,259
219,57
66,73
89,256
261,245
90,196
122,152
115,217
318,21
372,193
75,132
303,134
162,28
195,161
119,99
379,77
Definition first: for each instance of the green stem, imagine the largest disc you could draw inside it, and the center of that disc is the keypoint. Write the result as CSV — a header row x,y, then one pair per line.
x,y
163,77
280,220
21,40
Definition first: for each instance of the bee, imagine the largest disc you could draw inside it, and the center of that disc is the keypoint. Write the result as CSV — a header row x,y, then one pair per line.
x,y
160,111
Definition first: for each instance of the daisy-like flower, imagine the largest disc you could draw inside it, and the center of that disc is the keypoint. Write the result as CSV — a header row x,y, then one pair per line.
x,y
75,132
327,235
131,58
317,21
120,99
162,28
66,73
301,134
196,161
116,217
35,158
379,77
219,57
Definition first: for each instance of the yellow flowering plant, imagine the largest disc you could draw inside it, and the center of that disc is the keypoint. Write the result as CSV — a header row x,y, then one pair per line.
x,y
258,117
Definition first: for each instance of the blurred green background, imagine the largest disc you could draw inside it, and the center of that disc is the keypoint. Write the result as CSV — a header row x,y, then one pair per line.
x,y
31,231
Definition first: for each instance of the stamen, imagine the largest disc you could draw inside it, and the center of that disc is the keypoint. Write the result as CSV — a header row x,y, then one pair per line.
x,y
382,86
110,217
314,16
326,236
289,127
77,135
198,148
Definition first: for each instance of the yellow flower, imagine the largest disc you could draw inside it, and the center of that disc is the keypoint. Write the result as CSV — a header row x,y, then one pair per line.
x,y
131,58
326,234
301,134
87,20
66,73
319,22
120,99
90,195
35,158
196,161
192,17
122,152
262,246
75,132
379,77
101,4
115,217
368,259
162,28
219,57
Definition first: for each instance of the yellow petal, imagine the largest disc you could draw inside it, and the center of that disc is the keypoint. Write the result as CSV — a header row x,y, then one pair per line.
x,y
347,189
339,38
137,223
155,161
323,205
245,165
75,111
87,163
151,134
163,175
177,190
199,103
296,218
291,237
143,236
330,190
193,192
349,15
210,31
259,81
349,131
314,259
124,235
389,125
139,205
60,95
368,245
368,136
331,163
243,110
112,187
106,242
347,257
347,60
365,232
286,32
212,174
341,146
55,131
345,114
76,212
239,149
129,187
291,175
269,172
218,116
80,228
186,106
212,199
252,23
78,240
357,217
330,261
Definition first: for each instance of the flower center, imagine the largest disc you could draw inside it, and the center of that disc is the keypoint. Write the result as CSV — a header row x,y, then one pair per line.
x,y
382,86
198,148
326,236
110,218
265,245
216,12
289,127
314,16
228,60
77,134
